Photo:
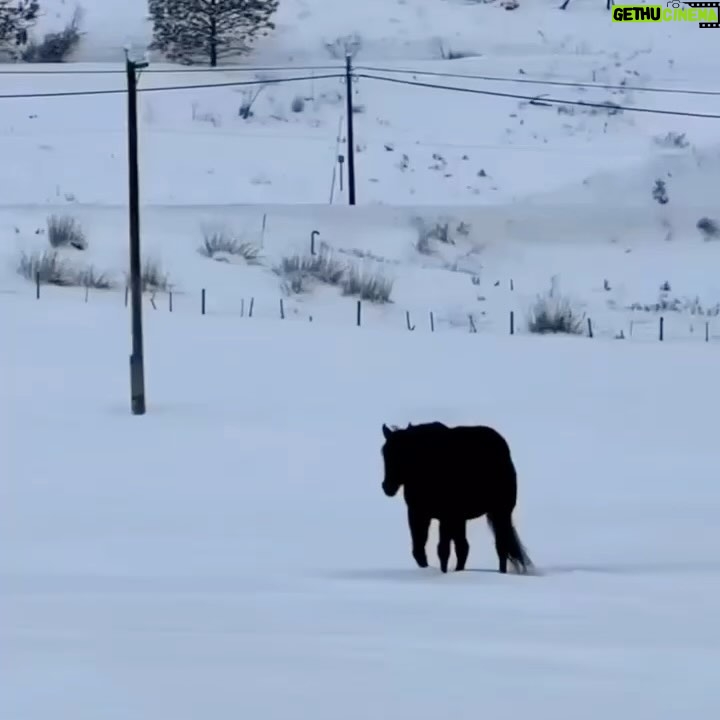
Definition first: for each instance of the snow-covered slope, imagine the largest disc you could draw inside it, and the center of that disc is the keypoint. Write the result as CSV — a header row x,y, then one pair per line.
x,y
547,190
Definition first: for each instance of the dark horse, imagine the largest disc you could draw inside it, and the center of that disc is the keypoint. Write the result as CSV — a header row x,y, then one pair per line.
x,y
454,475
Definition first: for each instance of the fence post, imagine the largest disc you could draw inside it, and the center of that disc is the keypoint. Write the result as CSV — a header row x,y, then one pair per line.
x,y
590,332
410,326
282,309
662,328
512,322
359,313
313,235
432,322
170,301
37,285
127,290
202,301
707,331
87,293
252,305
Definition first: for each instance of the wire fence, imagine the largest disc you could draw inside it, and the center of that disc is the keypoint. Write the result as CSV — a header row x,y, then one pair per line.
x,y
510,319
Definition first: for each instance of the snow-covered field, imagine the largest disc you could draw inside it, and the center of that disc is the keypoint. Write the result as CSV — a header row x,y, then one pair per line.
x,y
231,553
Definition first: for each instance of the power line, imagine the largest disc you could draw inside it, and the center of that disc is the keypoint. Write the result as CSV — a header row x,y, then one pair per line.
x,y
179,71
167,88
537,81
536,98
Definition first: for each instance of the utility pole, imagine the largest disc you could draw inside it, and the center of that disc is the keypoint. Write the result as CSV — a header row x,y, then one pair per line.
x,y
137,361
350,133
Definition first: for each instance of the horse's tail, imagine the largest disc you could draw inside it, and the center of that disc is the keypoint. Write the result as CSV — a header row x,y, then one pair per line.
x,y
508,542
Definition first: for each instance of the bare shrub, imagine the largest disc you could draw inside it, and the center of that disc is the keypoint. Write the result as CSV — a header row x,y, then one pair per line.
x,y
219,241
152,277
709,228
47,267
691,306
554,313
298,104
373,286
65,231
672,140
442,231
299,272
50,269
90,277
56,47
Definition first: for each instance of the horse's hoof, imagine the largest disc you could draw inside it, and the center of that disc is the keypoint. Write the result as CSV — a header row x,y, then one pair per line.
x,y
421,561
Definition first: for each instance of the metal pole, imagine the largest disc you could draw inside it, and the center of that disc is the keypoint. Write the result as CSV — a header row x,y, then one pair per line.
x,y
350,133
137,363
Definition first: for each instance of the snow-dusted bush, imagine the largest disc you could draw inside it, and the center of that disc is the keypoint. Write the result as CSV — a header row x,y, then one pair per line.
x,y
709,228
299,272
373,286
554,313
49,268
219,241
441,230
56,47
65,231
152,277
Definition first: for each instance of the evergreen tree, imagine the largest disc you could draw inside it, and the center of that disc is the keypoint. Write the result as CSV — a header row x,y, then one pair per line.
x,y
190,31
16,18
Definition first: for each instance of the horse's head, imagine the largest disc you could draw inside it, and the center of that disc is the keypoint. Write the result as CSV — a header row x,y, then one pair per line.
x,y
393,460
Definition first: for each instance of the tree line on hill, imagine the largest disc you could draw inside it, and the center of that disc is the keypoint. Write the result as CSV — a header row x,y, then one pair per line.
x,y
184,31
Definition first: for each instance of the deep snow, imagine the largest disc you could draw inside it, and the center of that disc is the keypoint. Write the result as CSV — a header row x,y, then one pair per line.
x,y
231,553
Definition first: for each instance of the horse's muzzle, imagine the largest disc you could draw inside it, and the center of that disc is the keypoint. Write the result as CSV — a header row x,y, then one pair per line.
x,y
390,490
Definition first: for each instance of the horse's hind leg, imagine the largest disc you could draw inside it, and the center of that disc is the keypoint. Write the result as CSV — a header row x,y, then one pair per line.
x,y
419,524
462,546
502,527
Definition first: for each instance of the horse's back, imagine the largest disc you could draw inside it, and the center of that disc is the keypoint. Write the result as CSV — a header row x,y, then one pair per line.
x,y
464,470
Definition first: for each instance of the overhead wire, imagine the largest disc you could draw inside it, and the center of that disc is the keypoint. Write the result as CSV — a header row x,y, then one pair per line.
x,y
539,81
399,81
167,88
177,71
368,68
540,99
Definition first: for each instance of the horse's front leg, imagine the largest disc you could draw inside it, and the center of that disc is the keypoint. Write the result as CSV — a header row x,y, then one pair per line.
x,y
445,532
419,523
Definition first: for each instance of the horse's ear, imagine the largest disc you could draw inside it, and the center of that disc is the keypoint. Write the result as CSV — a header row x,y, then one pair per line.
x,y
387,432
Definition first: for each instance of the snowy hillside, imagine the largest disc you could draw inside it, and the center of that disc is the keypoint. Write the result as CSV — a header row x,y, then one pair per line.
x,y
605,198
